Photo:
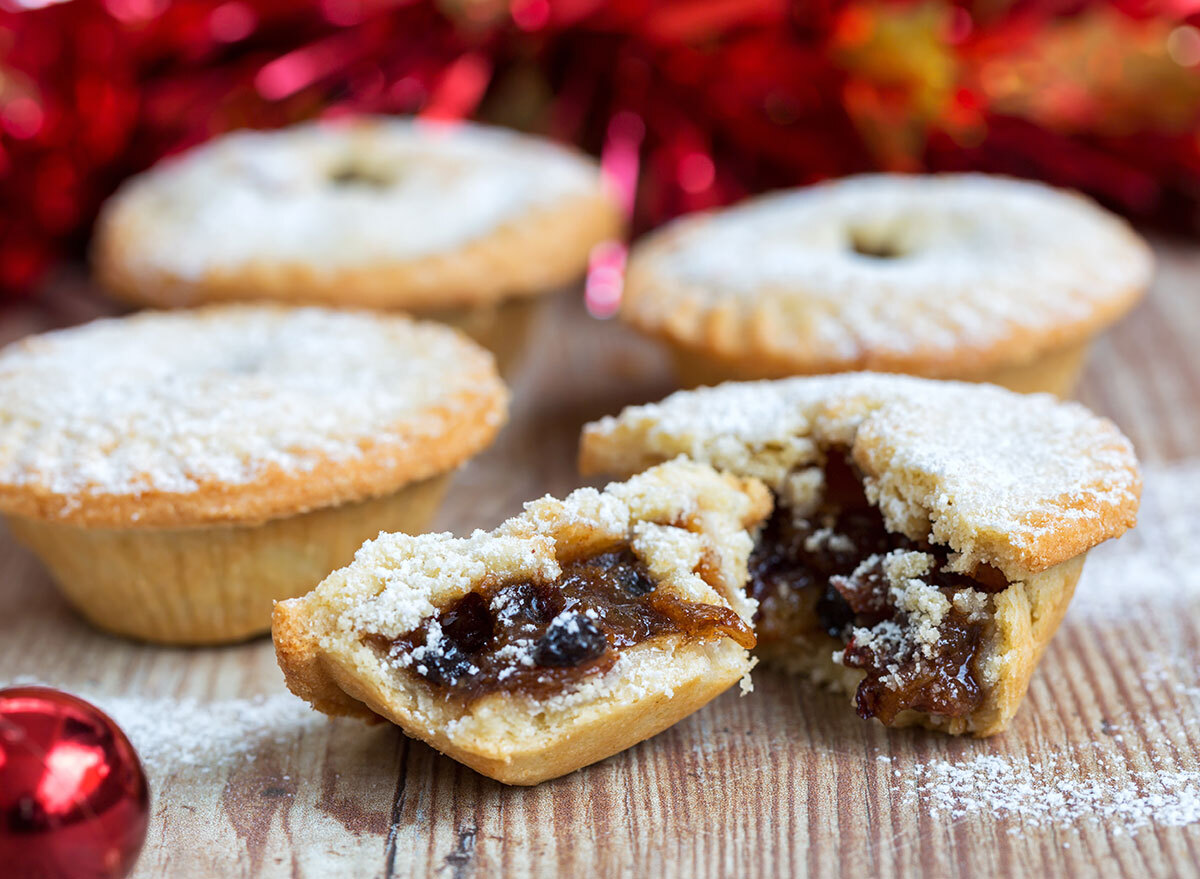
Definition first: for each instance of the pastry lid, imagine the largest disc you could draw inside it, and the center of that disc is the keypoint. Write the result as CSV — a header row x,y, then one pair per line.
x,y
1019,482
235,414
375,211
946,275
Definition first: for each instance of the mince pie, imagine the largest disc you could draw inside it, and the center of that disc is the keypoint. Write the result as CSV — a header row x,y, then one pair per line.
x,y
962,276
461,222
177,471
926,536
569,633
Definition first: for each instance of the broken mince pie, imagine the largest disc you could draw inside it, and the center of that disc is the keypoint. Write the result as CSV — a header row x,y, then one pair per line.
x,y
927,536
569,633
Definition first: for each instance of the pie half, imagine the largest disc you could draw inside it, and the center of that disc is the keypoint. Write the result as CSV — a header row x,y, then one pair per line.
x,y
927,536
571,632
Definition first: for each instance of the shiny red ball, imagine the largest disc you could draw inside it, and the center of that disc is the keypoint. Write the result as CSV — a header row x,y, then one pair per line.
x,y
73,798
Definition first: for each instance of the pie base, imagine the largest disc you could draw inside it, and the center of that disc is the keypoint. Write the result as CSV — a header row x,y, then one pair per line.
x,y
505,741
213,584
1056,371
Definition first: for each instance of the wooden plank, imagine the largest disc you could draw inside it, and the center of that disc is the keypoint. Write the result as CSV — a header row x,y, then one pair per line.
x,y
248,783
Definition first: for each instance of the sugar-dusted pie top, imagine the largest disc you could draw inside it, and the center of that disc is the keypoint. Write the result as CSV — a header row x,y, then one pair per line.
x,y
320,199
1020,482
970,272
235,413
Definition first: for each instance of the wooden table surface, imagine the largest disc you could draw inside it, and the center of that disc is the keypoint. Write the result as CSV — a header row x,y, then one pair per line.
x,y
1098,775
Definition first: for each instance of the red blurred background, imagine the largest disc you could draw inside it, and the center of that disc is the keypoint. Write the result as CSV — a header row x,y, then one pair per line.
x,y
719,97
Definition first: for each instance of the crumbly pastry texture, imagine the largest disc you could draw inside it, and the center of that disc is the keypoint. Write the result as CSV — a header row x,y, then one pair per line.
x,y
945,276
235,414
1018,482
988,499
684,521
374,212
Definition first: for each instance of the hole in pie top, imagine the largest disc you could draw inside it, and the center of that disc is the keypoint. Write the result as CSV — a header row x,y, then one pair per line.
x,y
359,174
876,246
824,575
539,639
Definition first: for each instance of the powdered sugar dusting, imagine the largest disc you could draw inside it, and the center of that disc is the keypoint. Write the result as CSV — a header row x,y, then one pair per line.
x,y
959,260
1134,773
331,196
987,471
173,735
169,402
1054,790
205,737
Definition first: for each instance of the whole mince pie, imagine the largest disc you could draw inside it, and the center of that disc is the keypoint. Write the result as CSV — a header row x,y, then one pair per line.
x,y
468,224
177,472
926,536
569,633
974,277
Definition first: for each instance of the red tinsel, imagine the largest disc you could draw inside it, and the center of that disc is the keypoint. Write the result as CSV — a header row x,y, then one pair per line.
x,y
732,96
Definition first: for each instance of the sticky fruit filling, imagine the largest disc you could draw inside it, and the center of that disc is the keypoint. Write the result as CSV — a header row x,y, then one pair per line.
x,y
540,639
914,628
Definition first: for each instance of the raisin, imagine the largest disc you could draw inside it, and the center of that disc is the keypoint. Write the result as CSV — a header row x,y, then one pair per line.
x,y
633,580
466,630
447,666
529,605
866,593
468,625
833,612
571,640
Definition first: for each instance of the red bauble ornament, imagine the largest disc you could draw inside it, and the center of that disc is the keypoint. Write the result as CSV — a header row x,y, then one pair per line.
x,y
73,797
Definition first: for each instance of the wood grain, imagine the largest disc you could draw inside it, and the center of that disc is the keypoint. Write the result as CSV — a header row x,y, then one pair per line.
x,y
784,781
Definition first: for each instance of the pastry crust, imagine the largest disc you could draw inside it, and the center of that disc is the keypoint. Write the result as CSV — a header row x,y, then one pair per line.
x,y
462,215
235,414
978,274
683,520
1023,484
213,584
1018,482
